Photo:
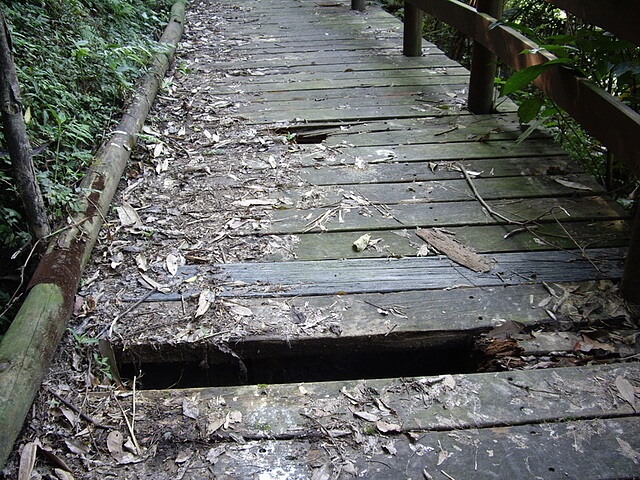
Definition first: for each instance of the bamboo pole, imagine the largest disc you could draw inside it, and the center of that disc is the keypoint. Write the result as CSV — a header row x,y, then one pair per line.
x,y
28,346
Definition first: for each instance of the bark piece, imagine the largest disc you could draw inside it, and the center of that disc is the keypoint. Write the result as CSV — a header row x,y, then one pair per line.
x,y
453,249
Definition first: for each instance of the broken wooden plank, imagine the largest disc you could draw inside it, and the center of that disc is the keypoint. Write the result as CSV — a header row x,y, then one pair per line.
x,y
382,318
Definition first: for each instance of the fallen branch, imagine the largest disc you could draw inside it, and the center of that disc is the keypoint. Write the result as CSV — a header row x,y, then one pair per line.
x,y
486,206
68,404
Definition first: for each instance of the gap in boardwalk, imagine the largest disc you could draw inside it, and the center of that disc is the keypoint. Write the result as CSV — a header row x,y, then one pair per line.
x,y
312,365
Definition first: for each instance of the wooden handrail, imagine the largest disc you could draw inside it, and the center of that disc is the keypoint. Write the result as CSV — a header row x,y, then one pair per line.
x,y
605,117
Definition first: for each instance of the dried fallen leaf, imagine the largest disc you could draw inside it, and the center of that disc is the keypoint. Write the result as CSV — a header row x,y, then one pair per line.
x,y
361,243
507,330
369,417
173,262
206,298
626,391
128,216
70,415
442,456
77,446
183,456
323,473
190,408
28,459
574,185
390,447
142,263
449,382
216,421
157,150
350,469
114,444
231,418
152,284
384,427
63,474
239,310
214,453
628,451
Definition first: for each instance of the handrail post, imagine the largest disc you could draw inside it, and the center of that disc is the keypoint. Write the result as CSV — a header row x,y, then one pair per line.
x,y
630,286
483,65
358,5
412,36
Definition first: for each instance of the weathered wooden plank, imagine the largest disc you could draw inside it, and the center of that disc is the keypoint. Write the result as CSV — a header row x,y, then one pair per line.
x,y
290,64
439,214
397,79
417,192
424,404
316,157
276,76
334,106
421,273
437,170
345,45
325,63
551,451
484,239
429,94
447,129
388,321
352,114
382,57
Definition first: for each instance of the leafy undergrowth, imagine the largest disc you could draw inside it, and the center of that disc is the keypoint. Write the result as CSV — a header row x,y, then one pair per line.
x,y
76,62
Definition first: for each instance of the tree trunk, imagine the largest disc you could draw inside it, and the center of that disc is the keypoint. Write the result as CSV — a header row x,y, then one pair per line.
x,y
15,134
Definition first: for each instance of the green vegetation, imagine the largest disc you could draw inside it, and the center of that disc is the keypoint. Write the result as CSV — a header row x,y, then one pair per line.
x,y
77,61
612,63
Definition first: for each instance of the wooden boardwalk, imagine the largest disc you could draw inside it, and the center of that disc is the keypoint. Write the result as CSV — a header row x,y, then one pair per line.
x,y
382,145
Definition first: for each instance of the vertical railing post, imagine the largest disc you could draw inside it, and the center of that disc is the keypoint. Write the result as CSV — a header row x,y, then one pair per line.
x,y
358,5
630,286
483,66
412,37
